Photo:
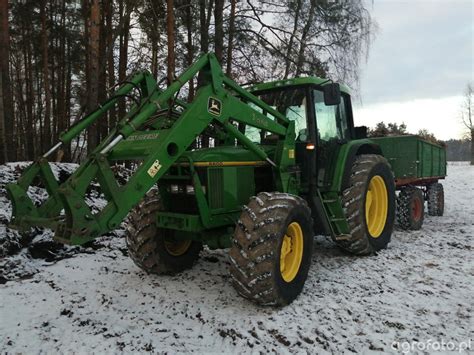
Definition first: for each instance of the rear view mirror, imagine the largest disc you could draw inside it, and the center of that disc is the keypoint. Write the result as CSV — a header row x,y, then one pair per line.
x,y
332,94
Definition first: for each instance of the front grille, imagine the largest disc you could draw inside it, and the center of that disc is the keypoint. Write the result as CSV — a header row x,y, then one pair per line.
x,y
216,188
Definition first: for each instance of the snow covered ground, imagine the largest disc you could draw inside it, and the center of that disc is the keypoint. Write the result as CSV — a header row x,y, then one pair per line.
x,y
80,300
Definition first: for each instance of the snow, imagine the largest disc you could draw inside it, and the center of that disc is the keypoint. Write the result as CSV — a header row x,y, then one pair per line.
x,y
95,299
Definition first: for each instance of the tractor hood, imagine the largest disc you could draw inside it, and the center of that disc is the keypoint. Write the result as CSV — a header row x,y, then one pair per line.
x,y
226,154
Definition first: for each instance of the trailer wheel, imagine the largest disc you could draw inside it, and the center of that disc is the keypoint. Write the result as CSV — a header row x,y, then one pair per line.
x,y
410,208
435,197
272,248
154,249
369,205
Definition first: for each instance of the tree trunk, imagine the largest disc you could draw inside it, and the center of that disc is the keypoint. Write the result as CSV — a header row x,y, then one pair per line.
x,y
94,44
86,17
292,39
110,55
67,111
154,58
190,56
472,146
62,76
46,86
230,46
123,56
204,29
170,33
219,29
102,87
7,141
30,79
3,143
205,10
304,35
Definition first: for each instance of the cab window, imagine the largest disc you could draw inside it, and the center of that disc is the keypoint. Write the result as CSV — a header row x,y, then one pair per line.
x,y
291,103
331,121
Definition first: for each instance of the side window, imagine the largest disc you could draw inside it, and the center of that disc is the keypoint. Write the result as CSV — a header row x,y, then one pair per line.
x,y
325,118
297,113
343,117
331,121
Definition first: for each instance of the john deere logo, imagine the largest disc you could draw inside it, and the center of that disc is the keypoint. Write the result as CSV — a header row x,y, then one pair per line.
x,y
214,106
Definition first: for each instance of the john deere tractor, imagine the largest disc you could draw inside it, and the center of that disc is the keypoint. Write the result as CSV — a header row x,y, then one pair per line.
x,y
284,163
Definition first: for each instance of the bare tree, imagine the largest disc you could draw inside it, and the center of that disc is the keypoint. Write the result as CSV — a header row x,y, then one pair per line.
x,y
7,146
45,68
171,37
124,26
231,38
94,52
291,41
466,115
219,29
189,44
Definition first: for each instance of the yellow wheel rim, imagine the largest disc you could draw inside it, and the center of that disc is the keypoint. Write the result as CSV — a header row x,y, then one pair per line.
x,y
177,247
291,252
376,206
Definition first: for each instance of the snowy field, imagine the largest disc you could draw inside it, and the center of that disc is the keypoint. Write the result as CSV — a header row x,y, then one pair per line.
x,y
83,300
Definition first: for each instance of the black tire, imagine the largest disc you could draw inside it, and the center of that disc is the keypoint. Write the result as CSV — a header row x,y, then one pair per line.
x,y
153,249
410,208
257,246
435,197
360,241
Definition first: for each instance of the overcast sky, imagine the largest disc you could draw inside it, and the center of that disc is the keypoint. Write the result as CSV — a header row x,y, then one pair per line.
x,y
419,64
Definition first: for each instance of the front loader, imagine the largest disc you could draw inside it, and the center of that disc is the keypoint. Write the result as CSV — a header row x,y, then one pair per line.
x,y
284,164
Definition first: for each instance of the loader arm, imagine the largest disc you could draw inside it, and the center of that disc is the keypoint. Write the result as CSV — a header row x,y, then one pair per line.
x,y
220,102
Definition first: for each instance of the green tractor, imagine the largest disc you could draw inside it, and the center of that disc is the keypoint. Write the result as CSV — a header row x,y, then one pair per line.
x,y
285,162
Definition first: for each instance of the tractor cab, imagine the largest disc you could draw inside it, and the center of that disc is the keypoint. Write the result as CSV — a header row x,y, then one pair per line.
x,y
322,114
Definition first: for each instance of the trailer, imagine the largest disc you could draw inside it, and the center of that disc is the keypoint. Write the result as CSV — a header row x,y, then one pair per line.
x,y
418,165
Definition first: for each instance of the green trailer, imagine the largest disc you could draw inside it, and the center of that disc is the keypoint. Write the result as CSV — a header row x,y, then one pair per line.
x,y
413,159
417,165
285,162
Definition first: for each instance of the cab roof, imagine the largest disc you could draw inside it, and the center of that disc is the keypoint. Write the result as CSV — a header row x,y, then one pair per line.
x,y
294,82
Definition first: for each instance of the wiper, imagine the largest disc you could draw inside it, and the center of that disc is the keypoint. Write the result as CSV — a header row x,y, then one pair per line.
x,y
289,108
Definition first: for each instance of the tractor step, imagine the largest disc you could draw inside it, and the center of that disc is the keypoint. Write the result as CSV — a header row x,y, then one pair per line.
x,y
335,215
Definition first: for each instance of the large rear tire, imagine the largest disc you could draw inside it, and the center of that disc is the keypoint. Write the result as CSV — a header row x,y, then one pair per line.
x,y
272,248
410,208
153,249
369,205
435,196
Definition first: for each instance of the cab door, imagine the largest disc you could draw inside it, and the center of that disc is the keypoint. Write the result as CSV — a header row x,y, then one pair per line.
x,y
333,129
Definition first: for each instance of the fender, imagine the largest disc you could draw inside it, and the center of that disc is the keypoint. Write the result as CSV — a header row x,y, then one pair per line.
x,y
346,157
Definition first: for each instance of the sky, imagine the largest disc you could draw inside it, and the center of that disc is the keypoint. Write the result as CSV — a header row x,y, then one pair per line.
x,y
419,64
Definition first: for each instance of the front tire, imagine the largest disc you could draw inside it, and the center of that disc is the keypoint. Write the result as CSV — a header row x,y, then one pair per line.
x,y
153,249
272,248
369,205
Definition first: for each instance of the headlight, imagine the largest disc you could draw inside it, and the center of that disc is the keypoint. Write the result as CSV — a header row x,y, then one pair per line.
x,y
190,189
174,189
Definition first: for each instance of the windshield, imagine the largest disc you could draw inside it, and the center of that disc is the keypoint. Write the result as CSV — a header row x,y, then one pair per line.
x,y
290,102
